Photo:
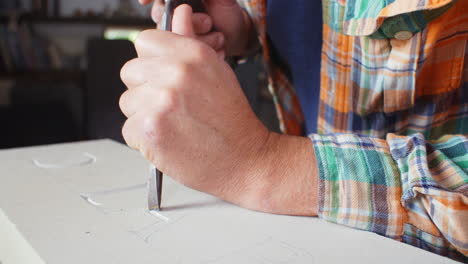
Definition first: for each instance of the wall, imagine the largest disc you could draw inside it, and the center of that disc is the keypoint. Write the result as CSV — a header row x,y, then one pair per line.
x,y
68,6
72,38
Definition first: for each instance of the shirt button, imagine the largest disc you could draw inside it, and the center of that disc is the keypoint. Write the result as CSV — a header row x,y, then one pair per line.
x,y
403,35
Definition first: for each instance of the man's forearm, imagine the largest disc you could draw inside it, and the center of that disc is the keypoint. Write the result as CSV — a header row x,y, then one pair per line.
x,y
285,178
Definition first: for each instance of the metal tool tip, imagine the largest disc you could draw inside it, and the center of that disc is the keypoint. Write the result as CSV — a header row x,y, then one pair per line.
x,y
155,189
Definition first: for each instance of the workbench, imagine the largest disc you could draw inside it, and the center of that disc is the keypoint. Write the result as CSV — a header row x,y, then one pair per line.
x,y
86,203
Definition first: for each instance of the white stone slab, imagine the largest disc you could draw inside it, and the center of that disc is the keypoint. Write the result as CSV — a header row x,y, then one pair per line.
x,y
86,203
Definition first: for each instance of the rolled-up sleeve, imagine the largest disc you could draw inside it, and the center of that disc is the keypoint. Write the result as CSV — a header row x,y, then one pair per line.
x,y
405,187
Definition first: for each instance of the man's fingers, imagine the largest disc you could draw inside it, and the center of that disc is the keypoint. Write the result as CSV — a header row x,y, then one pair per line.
x,y
160,70
202,23
156,43
141,132
153,43
131,132
125,104
214,40
157,10
182,22
136,99
133,73
137,130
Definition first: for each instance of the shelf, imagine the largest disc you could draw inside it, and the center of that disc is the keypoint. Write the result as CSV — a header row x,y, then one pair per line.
x,y
46,75
83,20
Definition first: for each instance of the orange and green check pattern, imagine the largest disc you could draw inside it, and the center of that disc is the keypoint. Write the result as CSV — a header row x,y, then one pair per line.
x,y
392,147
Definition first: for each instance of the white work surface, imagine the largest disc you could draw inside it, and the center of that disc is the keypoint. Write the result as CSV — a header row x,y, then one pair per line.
x,y
95,212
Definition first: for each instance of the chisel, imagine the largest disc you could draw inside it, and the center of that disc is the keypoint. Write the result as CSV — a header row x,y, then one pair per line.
x,y
156,176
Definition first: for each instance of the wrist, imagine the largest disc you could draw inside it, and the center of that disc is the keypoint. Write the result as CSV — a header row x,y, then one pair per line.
x,y
284,178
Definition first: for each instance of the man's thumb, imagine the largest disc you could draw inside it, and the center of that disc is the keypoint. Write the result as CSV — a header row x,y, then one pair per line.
x,y
182,22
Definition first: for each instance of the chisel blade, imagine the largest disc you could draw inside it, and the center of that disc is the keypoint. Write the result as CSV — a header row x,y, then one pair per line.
x,y
155,189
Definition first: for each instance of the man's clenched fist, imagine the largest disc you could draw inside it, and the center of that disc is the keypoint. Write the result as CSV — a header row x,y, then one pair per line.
x,y
188,115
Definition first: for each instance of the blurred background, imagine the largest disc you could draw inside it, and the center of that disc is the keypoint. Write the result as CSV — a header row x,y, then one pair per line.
x,y
59,70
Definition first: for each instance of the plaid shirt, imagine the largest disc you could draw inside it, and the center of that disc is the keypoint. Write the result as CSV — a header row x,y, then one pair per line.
x,y
393,118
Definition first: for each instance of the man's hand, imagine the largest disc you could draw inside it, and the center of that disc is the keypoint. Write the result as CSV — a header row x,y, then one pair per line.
x,y
188,115
224,28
